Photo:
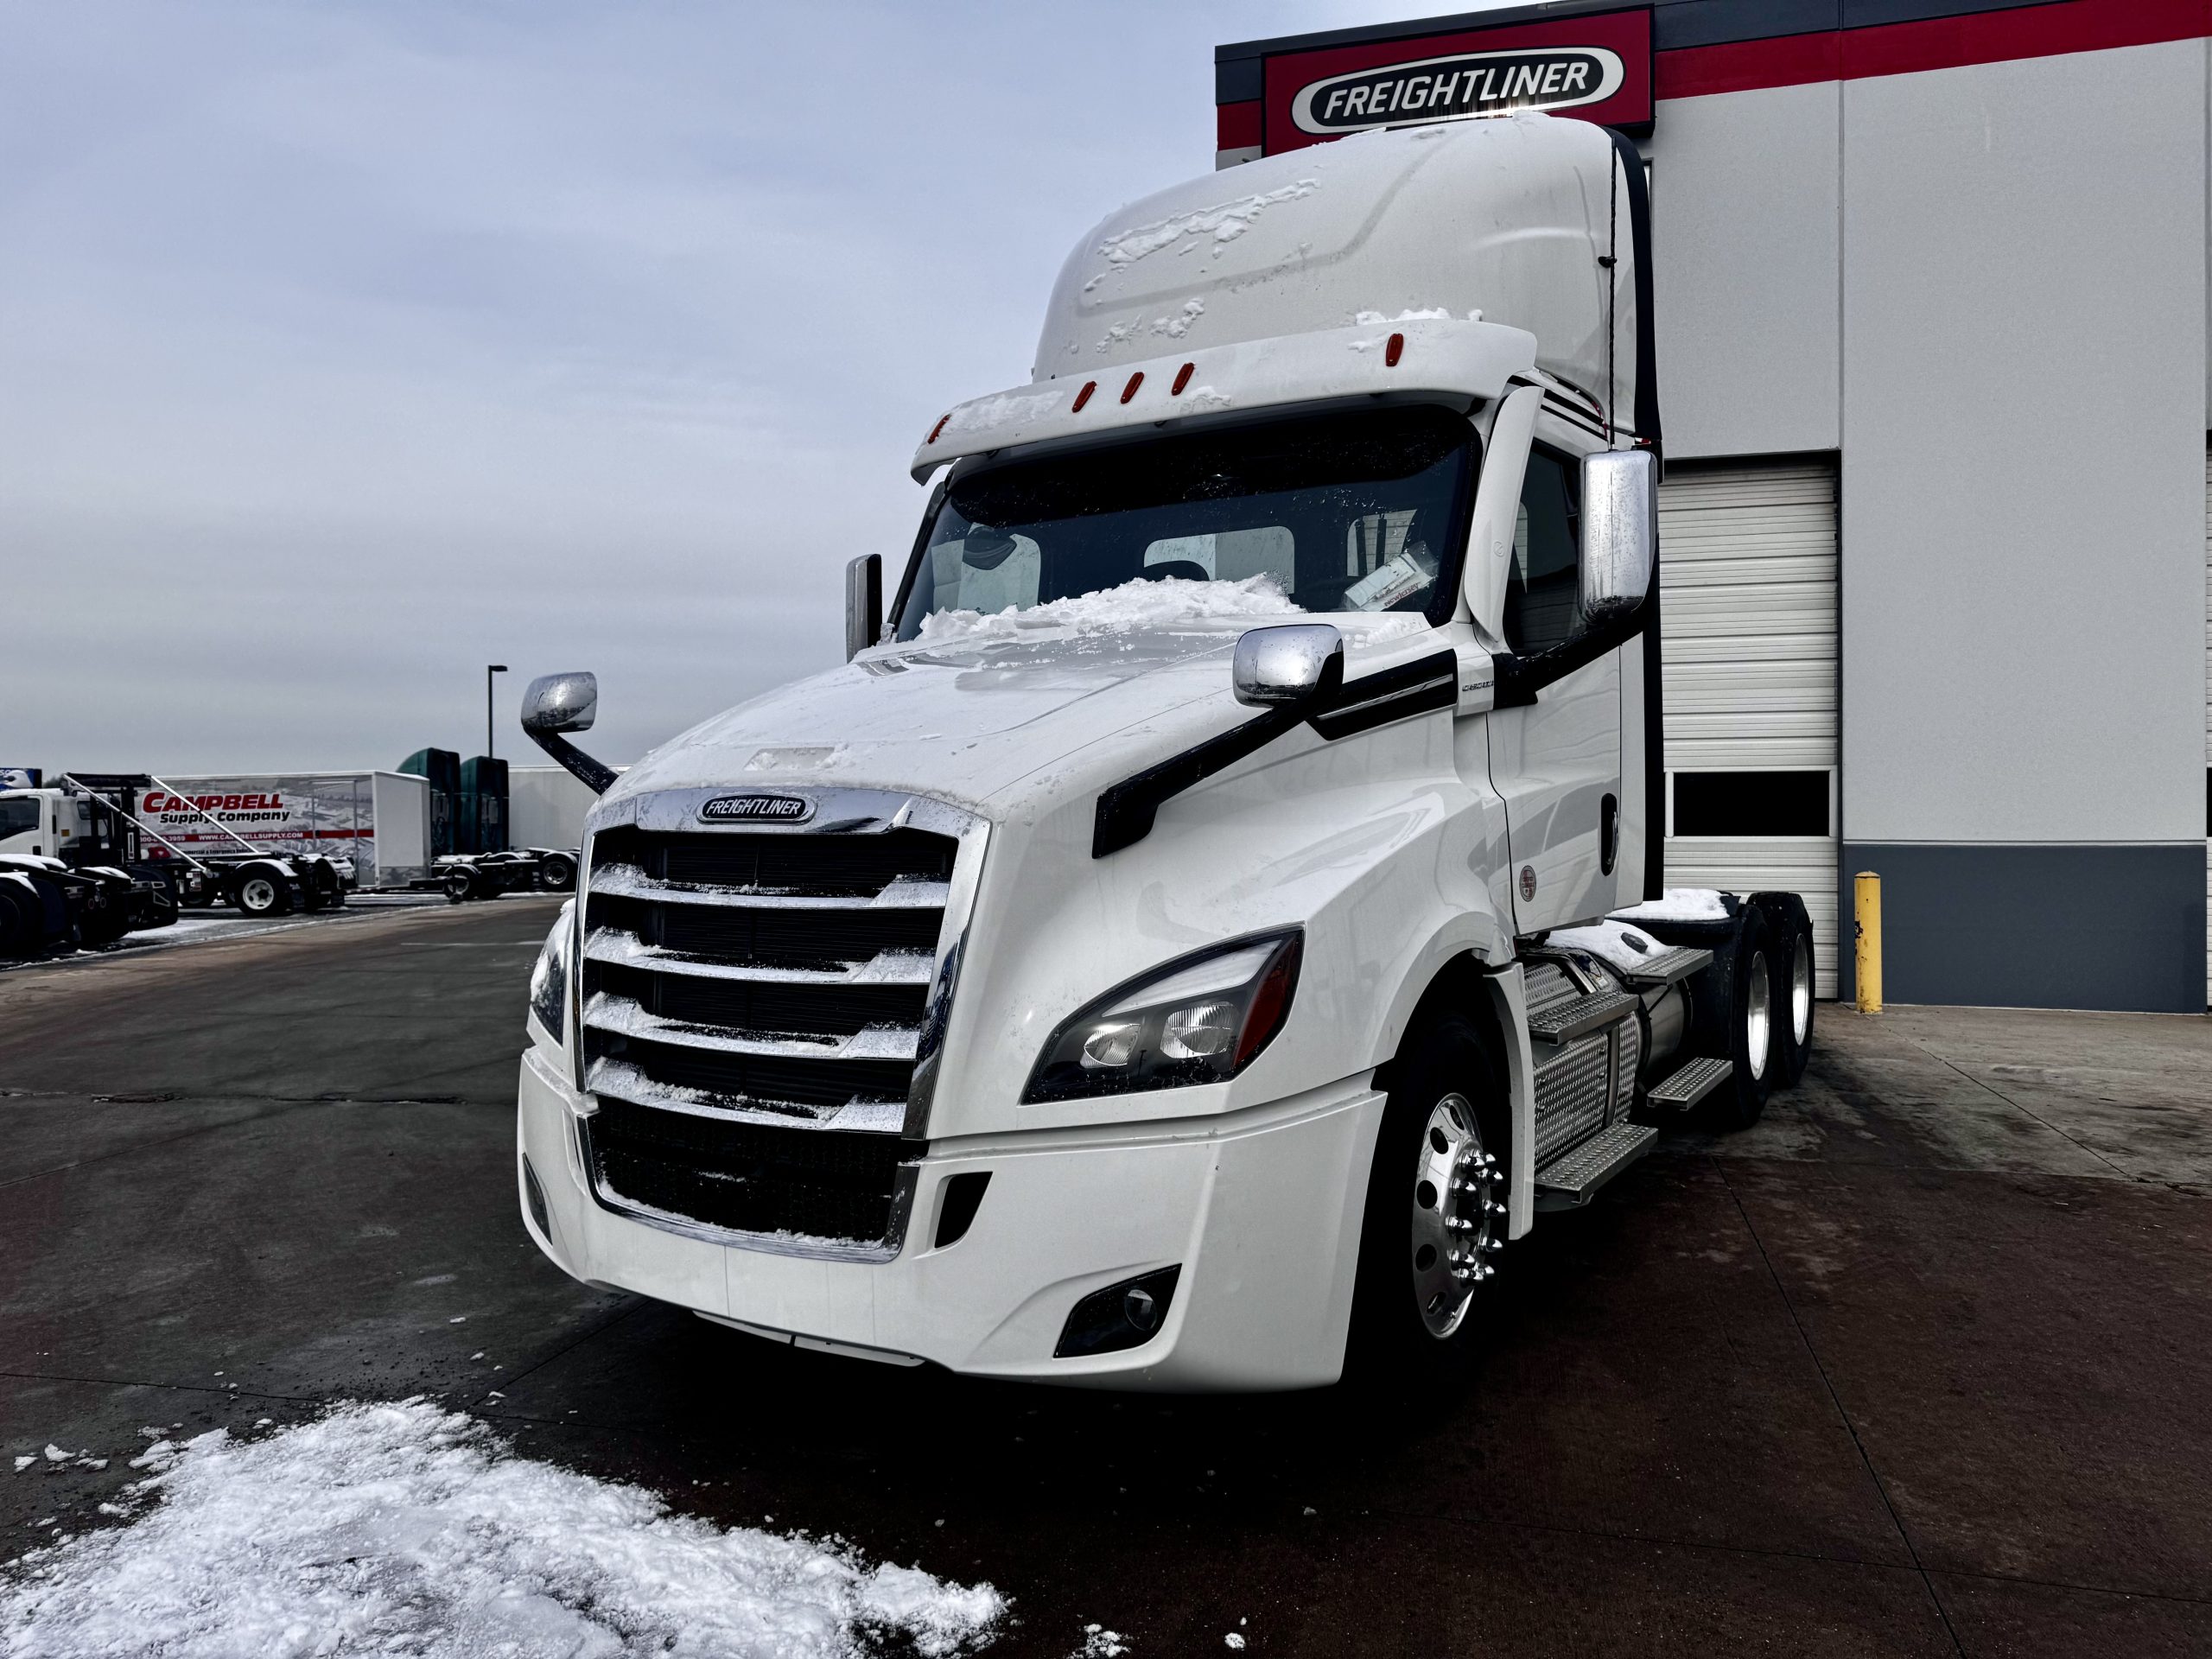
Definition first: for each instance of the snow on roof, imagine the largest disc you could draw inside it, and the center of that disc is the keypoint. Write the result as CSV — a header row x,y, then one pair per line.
x,y
1506,217
403,1527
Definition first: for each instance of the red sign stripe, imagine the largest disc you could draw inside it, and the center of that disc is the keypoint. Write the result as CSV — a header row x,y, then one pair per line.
x,y
1933,43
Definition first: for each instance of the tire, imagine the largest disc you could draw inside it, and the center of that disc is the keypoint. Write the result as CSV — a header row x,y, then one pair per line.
x,y
19,926
262,893
1440,1159
1749,1016
461,886
1793,1003
557,871
103,927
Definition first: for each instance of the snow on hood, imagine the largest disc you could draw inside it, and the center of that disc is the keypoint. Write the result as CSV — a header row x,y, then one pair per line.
x,y
985,710
404,1529
1135,606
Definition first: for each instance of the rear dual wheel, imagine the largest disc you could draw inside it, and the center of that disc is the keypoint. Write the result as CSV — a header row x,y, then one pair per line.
x,y
1746,1016
1793,990
263,893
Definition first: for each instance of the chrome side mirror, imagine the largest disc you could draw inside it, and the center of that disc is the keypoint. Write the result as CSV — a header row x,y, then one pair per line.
x,y
561,703
566,702
1291,664
863,603
1620,531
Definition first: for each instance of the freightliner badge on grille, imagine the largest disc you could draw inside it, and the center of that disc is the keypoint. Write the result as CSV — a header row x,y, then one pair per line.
x,y
756,808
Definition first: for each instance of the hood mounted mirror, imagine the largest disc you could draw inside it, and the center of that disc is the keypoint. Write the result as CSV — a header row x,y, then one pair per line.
x,y
566,702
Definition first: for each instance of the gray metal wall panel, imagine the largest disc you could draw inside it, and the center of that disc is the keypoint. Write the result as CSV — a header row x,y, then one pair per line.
x,y
1745,271
2037,927
2023,372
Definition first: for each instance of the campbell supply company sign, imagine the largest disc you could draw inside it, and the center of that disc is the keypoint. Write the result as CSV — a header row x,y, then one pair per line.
x,y
1597,67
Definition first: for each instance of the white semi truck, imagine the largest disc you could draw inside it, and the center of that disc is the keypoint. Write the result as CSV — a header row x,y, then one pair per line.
x,y
1219,909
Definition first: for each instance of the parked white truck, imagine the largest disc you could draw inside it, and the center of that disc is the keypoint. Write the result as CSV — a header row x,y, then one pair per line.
x,y
1173,951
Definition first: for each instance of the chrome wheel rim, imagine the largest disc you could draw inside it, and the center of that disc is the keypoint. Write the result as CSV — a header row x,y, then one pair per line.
x,y
1801,990
258,894
1458,1215
1759,1013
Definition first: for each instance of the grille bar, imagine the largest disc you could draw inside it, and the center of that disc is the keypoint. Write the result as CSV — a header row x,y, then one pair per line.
x,y
623,881
624,1017
615,947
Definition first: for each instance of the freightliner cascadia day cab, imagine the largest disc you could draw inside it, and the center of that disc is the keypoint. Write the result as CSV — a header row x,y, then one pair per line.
x,y
1185,945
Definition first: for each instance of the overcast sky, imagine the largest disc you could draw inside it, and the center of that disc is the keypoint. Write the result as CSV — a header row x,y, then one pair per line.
x,y
345,348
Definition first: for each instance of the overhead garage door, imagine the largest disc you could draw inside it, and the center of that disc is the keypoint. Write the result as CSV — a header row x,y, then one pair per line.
x,y
1748,591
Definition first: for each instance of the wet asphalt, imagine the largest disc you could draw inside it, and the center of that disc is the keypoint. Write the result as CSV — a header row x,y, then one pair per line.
x,y
1922,1363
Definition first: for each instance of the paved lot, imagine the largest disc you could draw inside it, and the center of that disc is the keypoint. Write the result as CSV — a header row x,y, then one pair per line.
x,y
1922,1364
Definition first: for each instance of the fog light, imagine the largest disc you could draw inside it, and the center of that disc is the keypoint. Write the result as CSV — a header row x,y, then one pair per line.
x,y
1127,1315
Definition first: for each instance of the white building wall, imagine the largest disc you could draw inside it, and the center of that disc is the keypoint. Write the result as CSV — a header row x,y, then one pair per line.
x,y
1746,283
2025,372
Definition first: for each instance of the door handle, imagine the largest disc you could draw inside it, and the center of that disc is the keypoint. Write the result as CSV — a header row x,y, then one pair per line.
x,y
1609,833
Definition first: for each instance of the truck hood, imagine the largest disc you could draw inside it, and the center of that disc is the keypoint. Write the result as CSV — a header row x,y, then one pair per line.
x,y
994,720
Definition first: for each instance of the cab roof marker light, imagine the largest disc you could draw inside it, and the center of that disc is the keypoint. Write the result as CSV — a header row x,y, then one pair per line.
x,y
938,431
1182,379
1394,350
1082,396
1130,390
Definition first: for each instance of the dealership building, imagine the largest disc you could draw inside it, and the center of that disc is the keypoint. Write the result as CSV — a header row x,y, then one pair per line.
x,y
1930,285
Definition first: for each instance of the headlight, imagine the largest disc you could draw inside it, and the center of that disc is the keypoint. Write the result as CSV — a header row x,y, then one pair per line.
x,y
549,980
1200,1018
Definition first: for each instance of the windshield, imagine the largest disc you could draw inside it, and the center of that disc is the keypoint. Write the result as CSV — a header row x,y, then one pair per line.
x,y
1364,511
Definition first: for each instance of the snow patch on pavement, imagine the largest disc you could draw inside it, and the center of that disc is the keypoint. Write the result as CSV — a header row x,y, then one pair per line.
x,y
404,1528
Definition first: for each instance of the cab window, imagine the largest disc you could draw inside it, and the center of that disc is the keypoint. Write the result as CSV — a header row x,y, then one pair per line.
x,y
1543,591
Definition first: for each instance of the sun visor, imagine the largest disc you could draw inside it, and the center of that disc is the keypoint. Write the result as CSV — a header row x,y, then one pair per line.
x,y
1410,355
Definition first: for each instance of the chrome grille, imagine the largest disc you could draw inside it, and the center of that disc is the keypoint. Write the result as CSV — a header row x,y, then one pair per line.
x,y
753,1007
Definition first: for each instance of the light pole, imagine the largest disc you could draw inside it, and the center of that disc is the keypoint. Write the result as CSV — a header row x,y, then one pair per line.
x,y
490,669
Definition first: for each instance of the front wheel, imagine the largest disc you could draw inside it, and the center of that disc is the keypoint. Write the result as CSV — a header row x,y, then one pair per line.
x,y
1436,1205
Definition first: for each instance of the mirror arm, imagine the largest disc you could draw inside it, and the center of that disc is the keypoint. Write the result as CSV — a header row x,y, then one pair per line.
x,y
1519,678
591,774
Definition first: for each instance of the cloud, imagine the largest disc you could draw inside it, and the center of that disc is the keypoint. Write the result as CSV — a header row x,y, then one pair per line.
x,y
345,349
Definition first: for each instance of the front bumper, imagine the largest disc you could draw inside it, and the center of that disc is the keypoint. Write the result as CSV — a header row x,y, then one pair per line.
x,y
1262,1211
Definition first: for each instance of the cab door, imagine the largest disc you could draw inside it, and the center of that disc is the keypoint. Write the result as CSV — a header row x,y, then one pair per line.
x,y
1556,754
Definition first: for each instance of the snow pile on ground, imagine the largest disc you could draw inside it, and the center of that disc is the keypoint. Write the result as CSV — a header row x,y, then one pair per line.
x,y
404,1529
1133,606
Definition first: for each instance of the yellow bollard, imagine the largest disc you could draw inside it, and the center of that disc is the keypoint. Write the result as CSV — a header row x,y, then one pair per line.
x,y
1867,896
